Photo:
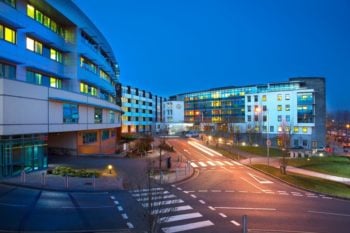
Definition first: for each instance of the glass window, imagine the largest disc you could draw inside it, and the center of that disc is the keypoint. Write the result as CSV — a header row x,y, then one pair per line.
x,y
47,21
30,11
288,118
264,98
280,129
105,134
1,32
10,35
264,118
272,128
279,97
34,45
39,16
249,108
70,113
89,137
287,96
55,55
304,129
249,98
279,107
111,117
296,129
249,118
279,118
55,82
7,71
30,44
98,115
255,98
287,107
53,26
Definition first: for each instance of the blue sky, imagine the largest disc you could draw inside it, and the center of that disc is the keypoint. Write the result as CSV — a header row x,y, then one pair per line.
x,y
175,46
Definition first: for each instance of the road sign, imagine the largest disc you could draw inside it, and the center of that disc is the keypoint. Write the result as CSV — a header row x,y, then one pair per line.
x,y
268,142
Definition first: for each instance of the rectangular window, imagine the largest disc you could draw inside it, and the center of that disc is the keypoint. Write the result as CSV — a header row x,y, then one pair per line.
x,y
279,107
30,11
34,45
288,118
287,107
272,128
264,98
9,35
279,97
70,113
249,108
55,82
35,78
111,117
279,118
264,118
55,55
98,115
1,32
304,129
249,98
280,129
249,118
255,98
256,117
105,135
287,97
7,71
296,129
46,21
89,137
39,16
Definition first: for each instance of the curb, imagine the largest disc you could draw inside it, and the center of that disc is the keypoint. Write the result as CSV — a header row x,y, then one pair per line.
x,y
295,186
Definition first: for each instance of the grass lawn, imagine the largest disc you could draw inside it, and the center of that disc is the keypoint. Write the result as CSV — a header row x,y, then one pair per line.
x,y
332,165
310,183
261,151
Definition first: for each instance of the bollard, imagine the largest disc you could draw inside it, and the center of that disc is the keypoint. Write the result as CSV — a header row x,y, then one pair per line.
x,y
245,224
43,178
23,176
66,182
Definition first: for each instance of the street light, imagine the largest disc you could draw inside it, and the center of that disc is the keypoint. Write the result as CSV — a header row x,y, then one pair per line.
x,y
110,167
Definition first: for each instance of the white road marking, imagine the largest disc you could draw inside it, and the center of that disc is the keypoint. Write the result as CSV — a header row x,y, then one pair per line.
x,y
116,202
160,203
210,207
235,223
187,227
202,164
216,191
125,216
112,197
120,208
208,150
253,185
329,213
211,163
173,185
193,164
245,208
146,190
327,198
194,196
191,191
201,201
150,194
243,191
202,191
229,163
260,179
171,210
220,163
179,188
156,198
236,163
186,192
130,225
201,149
180,217
223,215
229,191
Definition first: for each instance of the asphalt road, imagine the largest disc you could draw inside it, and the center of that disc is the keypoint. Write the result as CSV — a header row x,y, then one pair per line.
x,y
215,199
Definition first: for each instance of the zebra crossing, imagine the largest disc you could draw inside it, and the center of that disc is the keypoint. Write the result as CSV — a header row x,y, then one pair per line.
x,y
214,163
171,212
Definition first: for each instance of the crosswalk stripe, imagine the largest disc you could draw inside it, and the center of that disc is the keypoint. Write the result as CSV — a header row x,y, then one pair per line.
x,y
171,210
150,194
187,227
211,163
193,164
161,203
229,163
146,190
202,164
156,198
220,163
236,163
179,217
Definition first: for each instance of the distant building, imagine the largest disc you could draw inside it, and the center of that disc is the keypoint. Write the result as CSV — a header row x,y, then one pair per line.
x,y
142,110
173,111
58,81
296,108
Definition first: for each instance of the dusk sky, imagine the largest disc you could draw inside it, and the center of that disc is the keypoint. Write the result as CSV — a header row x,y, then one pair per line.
x,y
176,46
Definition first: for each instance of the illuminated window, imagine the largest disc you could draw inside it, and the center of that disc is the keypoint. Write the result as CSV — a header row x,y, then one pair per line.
x,y
287,107
84,88
33,77
280,129
10,35
55,82
34,46
39,16
279,107
111,117
296,129
279,97
93,91
47,21
264,98
30,11
1,32
304,129
287,97
279,118
55,55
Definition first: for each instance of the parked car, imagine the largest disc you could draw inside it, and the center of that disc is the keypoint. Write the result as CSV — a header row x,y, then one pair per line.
x,y
192,134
